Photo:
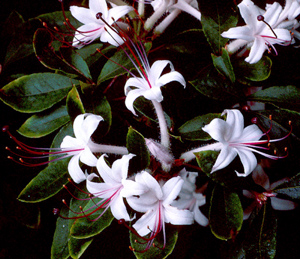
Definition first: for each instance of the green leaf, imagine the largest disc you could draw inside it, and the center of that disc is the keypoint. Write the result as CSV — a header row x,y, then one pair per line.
x,y
136,144
223,65
74,103
50,180
225,213
44,123
260,240
254,72
86,227
138,244
192,129
90,54
59,248
36,92
281,95
52,56
206,160
290,188
116,64
217,16
217,88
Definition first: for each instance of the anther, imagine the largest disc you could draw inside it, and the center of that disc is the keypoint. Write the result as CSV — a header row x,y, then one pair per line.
x,y
285,149
5,128
270,117
262,19
98,15
275,152
290,123
55,211
254,120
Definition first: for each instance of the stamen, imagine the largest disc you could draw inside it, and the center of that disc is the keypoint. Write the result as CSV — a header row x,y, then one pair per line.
x,y
262,19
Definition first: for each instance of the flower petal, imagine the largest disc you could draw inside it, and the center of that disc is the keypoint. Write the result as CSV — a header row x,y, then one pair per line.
x,y
75,171
199,217
235,121
82,14
118,208
157,69
225,157
87,157
178,217
120,168
251,133
241,32
117,12
105,171
217,129
281,204
169,77
171,189
257,50
145,223
98,6
261,178
248,160
130,98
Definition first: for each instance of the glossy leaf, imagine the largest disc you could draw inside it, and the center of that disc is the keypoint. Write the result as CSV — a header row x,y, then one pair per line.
x,y
158,252
86,227
136,144
290,188
44,123
223,65
225,213
36,92
74,103
254,72
192,129
206,160
51,179
260,240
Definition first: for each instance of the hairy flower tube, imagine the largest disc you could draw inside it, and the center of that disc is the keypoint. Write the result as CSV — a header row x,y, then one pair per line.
x,y
262,179
93,27
190,198
233,139
259,33
155,202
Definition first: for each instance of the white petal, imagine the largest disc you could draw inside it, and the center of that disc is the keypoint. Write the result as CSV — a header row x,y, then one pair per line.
x,y
130,98
88,158
235,121
199,217
248,160
171,189
89,125
118,12
178,217
225,157
145,223
70,142
105,171
98,6
257,50
82,14
110,36
101,190
153,94
251,133
281,204
272,13
149,181
240,32
132,188
88,33
217,129
249,11
120,168
75,171
135,82
157,69
118,208
169,77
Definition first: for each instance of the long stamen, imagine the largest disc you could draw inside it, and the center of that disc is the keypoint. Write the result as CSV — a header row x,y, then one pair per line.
x,y
261,18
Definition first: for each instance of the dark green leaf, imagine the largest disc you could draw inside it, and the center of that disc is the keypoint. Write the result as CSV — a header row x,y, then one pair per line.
x,y
260,241
225,214
74,104
136,144
36,92
86,227
50,180
44,123
138,244
290,188
223,65
192,129
281,95
254,72
206,160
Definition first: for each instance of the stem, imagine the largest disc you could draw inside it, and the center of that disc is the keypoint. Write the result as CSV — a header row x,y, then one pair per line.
x,y
189,155
108,149
165,140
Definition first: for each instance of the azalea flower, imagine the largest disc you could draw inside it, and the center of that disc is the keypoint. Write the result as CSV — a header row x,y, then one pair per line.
x,y
111,190
190,198
155,202
97,21
233,139
82,147
150,82
259,33
262,179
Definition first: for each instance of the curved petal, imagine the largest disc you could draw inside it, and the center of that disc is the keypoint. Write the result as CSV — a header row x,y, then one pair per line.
x,y
88,158
98,6
250,133
281,204
272,13
157,69
89,125
217,129
77,125
248,160
105,171
225,157
101,190
257,50
118,12
135,82
260,177
171,189
235,121
118,208
70,142
249,11
145,223
131,96
235,45
178,217
132,188
75,171
153,94
148,180
82,14
110,36
169,77
120,168
87,33
199,217
240,32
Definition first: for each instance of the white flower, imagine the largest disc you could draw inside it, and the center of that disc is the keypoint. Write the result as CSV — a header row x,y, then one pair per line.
x,y
150,82
233,139
257,34
81,147
155,203
262,179
111,190
191,199
94,26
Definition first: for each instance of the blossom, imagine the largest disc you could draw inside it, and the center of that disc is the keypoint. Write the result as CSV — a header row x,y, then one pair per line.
x,y
233,139
111,190
259,31
150,82
97,21
156,202
190,198
262,179
81,147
